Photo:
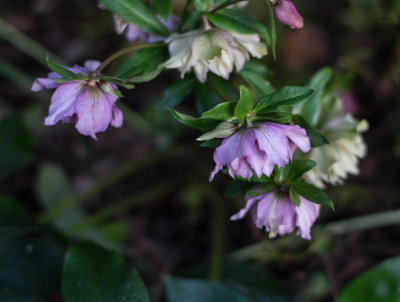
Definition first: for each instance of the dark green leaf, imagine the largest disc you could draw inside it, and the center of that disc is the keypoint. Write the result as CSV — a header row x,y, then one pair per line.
x,y
316,138
287,95
175,94
134,11
118,81
237,186
238,21
212,143
275,117
245,103
294,197
16,148
223,87
197,123
13,213
202,5
224,129
145,60
312,193
30,265
197,290
295,169
206,97
379,284
61,70
10,296
93,274
273,29
163,8
261,86
189,20
146,77
223,111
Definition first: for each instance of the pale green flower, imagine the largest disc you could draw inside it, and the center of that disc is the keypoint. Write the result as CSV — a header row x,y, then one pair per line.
x,y
215,50
346,146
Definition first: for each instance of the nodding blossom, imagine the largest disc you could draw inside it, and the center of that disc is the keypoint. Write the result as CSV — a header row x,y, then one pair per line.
x,y
259,148
132,32
286,12
346,145
90,104
279,215
213,49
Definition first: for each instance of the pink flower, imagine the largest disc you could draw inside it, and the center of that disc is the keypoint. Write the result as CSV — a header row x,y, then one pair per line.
x,y
259,148
279,215
286,12
87,103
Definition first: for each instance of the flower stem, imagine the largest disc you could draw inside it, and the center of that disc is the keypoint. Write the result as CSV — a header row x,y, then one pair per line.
x,y
222,6
124,51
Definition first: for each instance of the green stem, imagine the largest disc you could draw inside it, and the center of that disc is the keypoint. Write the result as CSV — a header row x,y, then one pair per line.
x,y
222,6
126,170
124,51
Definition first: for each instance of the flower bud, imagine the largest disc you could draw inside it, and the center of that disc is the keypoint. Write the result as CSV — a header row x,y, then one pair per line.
x,y
286,12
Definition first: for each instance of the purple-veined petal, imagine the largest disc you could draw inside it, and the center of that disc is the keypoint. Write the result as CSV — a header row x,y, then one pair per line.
x,y
286,12
296,134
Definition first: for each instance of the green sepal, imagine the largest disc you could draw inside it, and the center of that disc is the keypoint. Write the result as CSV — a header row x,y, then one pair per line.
x,y
223,111
61,70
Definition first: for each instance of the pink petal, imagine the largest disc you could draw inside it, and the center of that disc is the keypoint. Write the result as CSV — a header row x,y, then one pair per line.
x,y
286,12
307,213
297,135
117,117
249,204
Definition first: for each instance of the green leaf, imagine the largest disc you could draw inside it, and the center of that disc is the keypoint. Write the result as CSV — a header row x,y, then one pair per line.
x,y
202,5
294,197
295,169
224,129
134,11
17,145
273,29
206,97
212,143
197,123
30,265
379,284
288,95
261,86
11,296
238,185
239,22
316,138
245,103
275,117
175,94
197,290
61,70
163,8
118,81
310,109
223,111
146,77
93,274
312,193
144,61
13,213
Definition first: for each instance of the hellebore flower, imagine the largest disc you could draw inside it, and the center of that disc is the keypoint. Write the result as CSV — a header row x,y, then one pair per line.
x,y
286,12
279,215
346,146
132,32
87,103
259,148
213,49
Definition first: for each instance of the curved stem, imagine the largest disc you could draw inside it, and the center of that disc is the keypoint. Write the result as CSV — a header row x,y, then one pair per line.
x,y
222,6
124,51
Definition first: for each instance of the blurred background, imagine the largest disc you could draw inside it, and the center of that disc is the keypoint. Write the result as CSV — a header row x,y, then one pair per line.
x,y
143,189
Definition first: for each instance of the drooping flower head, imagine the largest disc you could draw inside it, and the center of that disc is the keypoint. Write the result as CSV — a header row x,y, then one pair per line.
x,y
259,148
279,215
90,104
132,32
212,49
286,12
346,146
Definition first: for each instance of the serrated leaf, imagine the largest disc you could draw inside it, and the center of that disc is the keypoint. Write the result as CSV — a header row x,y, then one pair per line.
x,y
197,123
223,111
93,274
223,130
312,193
294,197
295,169
61,70
245,103
238,21
134,11
163,8
175,93
316,138
288,95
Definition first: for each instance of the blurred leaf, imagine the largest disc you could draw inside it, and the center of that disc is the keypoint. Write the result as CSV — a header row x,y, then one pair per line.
x,y
312,193
16,148
30,265
93,274
245,103
380,284
163,8
221,112
295,169
273,29
9,296
175,93
16,75
206,97
261,86
197,290
239,22
288,95
136,12
198,123
118,231
202,5
238,185
316,138
145,60
146,77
